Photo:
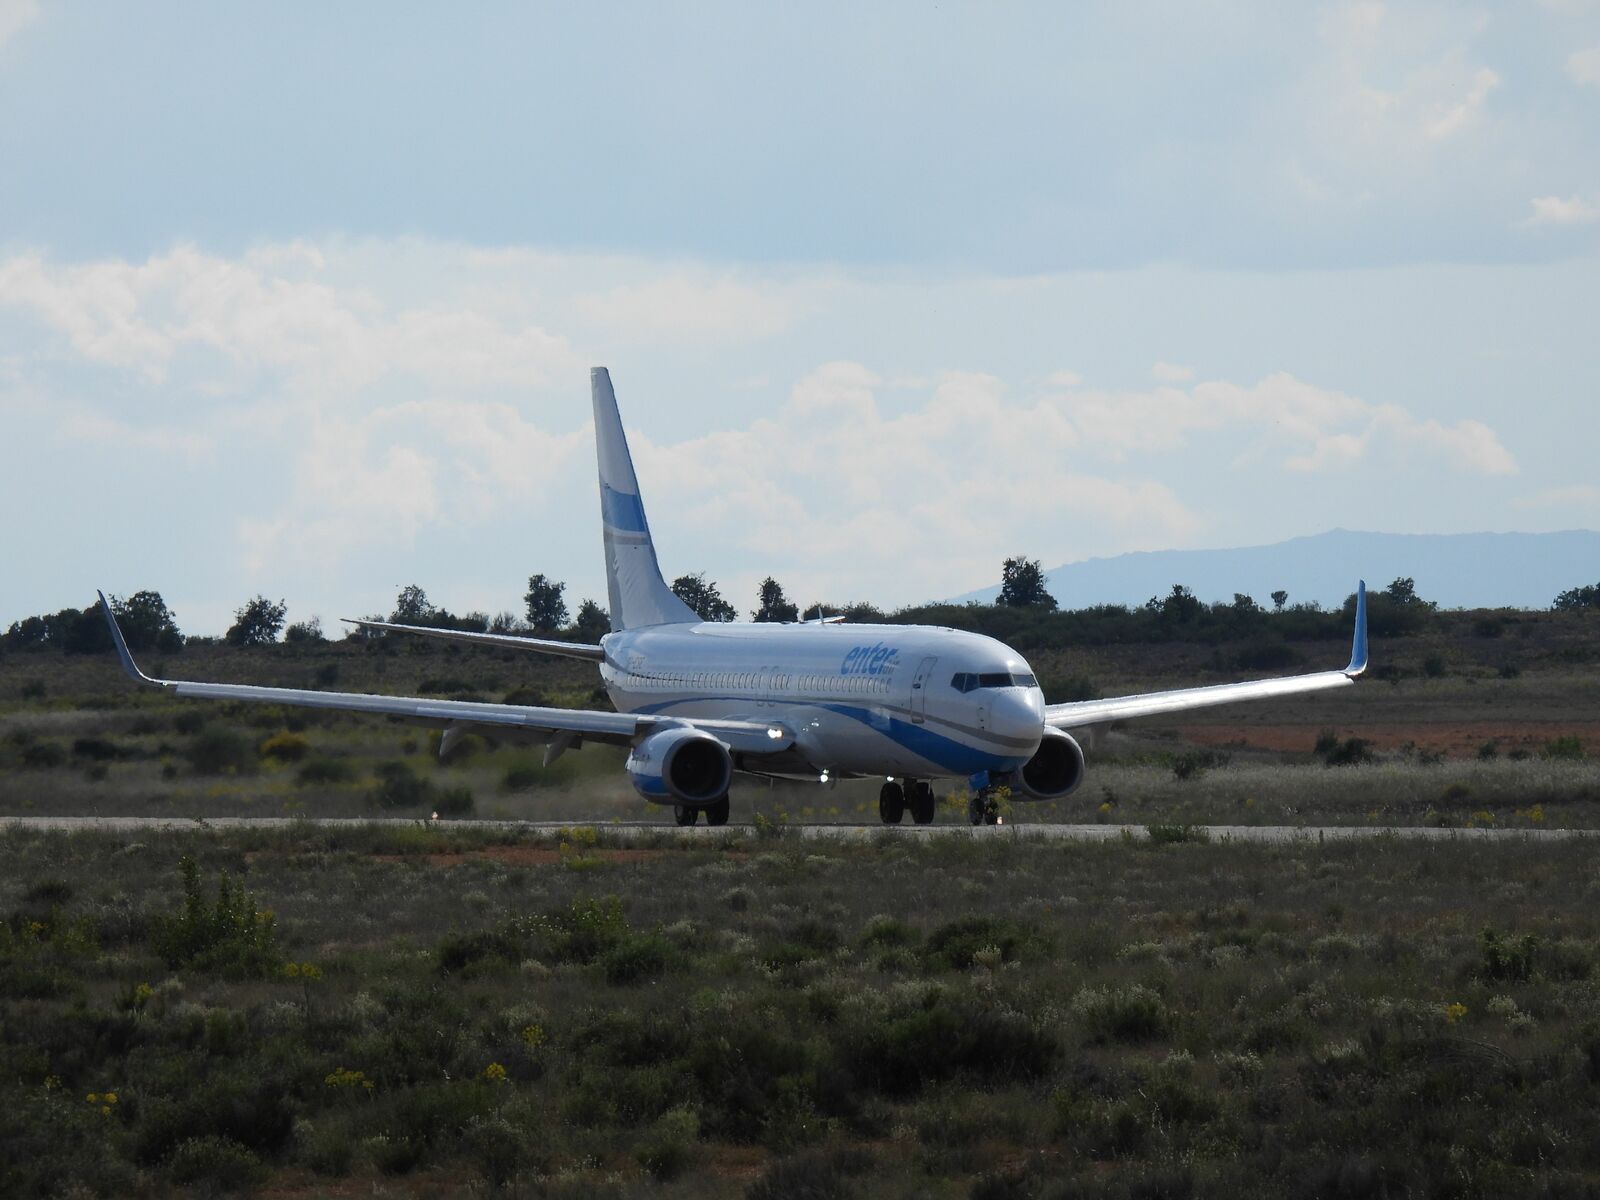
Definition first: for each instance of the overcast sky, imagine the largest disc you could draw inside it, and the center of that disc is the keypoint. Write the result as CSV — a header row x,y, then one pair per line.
x,y
301,299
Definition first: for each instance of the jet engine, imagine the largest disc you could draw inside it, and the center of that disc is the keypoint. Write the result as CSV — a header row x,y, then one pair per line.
x,y
1054,771
680,766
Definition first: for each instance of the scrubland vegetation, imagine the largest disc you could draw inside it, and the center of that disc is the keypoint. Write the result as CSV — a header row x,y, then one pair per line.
x,y
426,1011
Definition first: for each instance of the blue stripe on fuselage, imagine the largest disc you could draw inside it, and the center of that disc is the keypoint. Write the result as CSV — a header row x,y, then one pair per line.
x,y
954,756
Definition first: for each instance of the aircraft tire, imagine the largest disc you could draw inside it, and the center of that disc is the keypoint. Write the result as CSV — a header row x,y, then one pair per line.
x,y
717,813
685,814
891,803
922,804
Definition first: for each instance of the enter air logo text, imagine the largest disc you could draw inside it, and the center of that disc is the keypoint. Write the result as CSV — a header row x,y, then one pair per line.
x,y
870,660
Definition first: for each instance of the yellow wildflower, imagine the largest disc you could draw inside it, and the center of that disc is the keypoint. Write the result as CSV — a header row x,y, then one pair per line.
x,y
1455,1012
494,1073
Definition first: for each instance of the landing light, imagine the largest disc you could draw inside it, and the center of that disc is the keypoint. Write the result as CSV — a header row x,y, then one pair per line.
x,y
775,734
824,778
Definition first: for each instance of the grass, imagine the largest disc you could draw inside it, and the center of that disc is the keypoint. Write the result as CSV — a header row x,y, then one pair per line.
x,y
437,1010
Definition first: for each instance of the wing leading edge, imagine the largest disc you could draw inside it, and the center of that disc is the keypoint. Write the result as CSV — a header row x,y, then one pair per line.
x,y
543,723
1081,713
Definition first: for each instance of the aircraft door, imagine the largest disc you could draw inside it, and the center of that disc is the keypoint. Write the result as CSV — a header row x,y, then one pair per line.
x,y
919,690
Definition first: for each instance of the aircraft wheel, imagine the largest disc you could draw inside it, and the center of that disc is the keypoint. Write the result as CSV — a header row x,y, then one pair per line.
x,y
683,814
975,808
922,804
891,803
717,814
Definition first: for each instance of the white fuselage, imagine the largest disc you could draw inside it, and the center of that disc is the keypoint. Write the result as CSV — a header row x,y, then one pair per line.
x,y
893,700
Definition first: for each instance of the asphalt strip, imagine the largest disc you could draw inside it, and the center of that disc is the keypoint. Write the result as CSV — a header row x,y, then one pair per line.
x,y
630,830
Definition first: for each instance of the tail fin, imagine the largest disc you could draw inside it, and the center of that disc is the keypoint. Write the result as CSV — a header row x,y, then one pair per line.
x,y
639,596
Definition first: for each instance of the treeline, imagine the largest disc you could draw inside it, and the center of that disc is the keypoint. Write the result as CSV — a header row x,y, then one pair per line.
x,y
1024,615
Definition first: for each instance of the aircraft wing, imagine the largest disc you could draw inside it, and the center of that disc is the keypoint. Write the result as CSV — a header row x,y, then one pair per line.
x,y
544,724
540,645
1080,713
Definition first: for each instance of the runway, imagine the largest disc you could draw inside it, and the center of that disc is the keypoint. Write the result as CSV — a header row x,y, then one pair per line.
x,y
653,831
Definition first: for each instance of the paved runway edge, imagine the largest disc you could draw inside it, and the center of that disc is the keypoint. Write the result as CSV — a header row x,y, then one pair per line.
x,y
640,830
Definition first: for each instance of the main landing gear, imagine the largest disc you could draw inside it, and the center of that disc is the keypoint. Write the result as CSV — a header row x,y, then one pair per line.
x,y
894,800
716,813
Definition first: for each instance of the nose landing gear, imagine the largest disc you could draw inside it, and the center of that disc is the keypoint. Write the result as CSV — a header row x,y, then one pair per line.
x,y
916,795
983,809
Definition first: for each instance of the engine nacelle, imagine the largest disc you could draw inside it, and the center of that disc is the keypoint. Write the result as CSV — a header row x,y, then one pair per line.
x,y
680,766
1055,770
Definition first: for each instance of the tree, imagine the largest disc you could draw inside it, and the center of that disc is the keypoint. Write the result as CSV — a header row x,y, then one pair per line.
x,y
700,594
411,607
592,623
257,623
1403,593
1578,598
1179,605
547,611
775,605
1022,585
304,632
146,622
1279,599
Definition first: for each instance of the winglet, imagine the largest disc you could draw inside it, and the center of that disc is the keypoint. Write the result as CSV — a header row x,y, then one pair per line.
x,y
122,646
1358,646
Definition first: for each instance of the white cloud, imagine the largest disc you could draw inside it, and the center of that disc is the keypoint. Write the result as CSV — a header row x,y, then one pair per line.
x,y
365,406
1583,67
1557,210
1451,116
847,497
1310,428
273,310
96,427
15,16
1582,499
687,304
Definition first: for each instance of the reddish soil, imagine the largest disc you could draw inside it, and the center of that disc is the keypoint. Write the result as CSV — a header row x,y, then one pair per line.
x,y
1456,739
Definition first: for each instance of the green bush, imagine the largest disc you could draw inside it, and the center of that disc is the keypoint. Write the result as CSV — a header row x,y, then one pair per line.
x,y
95,749
285,747
1167,835
453,801
956,944
668,1148
462,951
1567,748
229,934
1123,1014
400,787
636,958
1347,753
221,751
324,770
215,1165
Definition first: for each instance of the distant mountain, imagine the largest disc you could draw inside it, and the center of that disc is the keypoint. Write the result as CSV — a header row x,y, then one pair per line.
x,y
1458,570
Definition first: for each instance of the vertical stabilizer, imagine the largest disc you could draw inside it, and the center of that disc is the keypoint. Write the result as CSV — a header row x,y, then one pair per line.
x,y
639,596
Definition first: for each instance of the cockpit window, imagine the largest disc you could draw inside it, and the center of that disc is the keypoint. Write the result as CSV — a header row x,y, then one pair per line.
x,y
966,681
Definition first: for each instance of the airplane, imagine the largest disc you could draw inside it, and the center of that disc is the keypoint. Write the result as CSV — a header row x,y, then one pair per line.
x,y
698,702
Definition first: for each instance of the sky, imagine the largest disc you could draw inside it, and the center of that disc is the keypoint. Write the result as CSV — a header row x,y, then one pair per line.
x,y
300,300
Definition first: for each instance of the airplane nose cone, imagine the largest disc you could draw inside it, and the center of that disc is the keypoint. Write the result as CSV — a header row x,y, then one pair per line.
x,y
1018,713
